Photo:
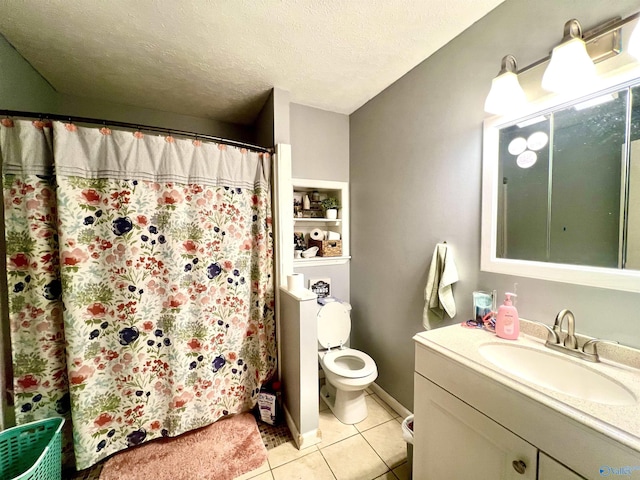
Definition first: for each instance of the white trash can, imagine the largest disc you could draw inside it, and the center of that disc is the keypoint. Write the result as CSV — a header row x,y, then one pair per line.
x,y
407,434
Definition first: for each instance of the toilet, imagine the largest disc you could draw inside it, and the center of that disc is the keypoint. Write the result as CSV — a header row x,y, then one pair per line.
x,y
347,371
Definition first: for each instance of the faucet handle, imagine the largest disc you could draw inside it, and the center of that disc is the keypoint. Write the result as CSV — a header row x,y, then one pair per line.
x,y
552,335
591,345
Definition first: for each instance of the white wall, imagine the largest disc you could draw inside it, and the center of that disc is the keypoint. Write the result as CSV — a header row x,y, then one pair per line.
x,y
415,170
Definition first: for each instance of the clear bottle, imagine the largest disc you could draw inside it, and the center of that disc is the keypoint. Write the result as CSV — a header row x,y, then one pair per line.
x,y
508,322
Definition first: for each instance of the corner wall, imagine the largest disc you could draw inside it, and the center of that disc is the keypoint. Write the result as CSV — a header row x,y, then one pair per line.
x,y
415,169
320,151
22,88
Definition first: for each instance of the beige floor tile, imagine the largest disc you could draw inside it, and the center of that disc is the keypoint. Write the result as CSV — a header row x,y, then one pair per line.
x,y
310,466
403,472
377,414
264,476
255,473
391,411
353,459
287,452
333,430
386,439
387,476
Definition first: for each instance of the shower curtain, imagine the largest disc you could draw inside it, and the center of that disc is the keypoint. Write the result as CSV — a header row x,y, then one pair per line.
x,y
140,280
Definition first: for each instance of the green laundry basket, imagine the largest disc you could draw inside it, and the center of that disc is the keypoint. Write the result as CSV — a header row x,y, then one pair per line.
x,y
32,451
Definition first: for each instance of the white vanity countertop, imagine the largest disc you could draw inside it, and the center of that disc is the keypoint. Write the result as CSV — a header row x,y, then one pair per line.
x,y
620,422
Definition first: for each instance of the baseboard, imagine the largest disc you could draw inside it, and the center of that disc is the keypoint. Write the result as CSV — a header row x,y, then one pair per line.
x,y
389,400
302,440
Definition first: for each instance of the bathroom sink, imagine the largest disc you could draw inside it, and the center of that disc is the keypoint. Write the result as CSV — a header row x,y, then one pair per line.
x,y
553,371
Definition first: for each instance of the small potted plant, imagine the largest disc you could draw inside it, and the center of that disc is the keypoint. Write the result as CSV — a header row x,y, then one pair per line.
x,y
331,207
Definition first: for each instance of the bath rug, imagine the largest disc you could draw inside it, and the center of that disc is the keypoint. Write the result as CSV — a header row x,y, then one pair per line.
x,y
221,451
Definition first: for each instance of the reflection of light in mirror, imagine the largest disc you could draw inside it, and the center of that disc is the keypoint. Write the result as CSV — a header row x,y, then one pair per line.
x,y
531,121
596,101
537,140
527,159
517,146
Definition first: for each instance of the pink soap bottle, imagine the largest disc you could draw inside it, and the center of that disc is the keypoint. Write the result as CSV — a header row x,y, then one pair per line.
x,y
507,322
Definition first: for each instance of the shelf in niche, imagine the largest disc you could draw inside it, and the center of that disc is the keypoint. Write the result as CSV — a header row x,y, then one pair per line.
x,y
317,261
317,220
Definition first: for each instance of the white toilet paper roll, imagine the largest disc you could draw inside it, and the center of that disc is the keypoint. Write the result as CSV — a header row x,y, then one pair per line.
x,y
317,234
333,236
295,282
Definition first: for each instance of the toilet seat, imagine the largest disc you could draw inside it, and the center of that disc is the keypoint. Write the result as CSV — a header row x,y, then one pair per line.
x,y
349,363
334,325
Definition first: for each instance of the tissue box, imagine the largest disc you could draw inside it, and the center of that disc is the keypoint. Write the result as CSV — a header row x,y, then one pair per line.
x,y
327,248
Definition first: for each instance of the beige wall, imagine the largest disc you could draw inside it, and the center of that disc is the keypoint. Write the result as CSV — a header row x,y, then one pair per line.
x,y
415,163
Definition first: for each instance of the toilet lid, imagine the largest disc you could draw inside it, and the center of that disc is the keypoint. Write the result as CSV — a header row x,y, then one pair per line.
x,y
334,325
349,363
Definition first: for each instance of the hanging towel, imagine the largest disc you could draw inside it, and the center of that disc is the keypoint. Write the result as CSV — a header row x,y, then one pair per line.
x,y
438,294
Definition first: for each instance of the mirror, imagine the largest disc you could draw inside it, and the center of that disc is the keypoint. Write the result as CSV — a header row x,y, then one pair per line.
x,y
561,193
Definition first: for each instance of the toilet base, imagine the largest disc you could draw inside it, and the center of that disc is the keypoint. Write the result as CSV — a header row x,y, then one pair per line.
x,y
348,406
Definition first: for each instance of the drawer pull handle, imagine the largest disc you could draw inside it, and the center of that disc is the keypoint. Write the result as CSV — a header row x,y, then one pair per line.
x,y
519,466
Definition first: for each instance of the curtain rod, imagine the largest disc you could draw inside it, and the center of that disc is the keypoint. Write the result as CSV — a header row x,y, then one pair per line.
x,y
137,126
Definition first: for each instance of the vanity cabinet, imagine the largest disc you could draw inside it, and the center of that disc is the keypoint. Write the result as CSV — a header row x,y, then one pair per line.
x,y
471,422
456,441
550,469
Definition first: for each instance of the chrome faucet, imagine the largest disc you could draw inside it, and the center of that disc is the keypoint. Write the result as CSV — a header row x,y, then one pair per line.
x,y
570,340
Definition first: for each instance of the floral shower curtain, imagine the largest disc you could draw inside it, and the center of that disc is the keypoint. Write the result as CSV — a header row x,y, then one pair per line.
x,y
151,259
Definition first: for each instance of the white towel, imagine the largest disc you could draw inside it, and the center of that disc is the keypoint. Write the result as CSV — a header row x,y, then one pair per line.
x,y
438,294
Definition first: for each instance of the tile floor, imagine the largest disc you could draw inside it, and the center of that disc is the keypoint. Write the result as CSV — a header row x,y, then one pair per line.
x,y
370,450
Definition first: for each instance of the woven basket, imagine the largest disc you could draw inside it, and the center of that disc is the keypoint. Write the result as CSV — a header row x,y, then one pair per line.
x,y
327,248
32,451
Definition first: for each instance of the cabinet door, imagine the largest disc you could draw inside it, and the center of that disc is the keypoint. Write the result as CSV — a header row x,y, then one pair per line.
x,y
550,469
456,442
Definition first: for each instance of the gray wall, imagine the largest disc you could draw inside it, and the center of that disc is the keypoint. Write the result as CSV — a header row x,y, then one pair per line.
x,y
22,87
319,144
415,170
320,151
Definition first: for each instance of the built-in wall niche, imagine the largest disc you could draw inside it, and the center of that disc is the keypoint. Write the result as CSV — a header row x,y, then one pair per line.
x,y
309,215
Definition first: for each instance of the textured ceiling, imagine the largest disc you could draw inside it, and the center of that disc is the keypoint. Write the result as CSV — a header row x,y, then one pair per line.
x,y
220,58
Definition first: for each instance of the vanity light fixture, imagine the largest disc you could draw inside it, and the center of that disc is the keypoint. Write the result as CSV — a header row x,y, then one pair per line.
x,y
506,92
571,63
570,66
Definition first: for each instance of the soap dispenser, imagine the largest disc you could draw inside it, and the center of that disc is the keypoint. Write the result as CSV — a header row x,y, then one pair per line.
x,y
507,322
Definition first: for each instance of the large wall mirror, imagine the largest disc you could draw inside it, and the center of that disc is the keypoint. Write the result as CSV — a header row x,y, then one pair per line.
x,y
561,192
